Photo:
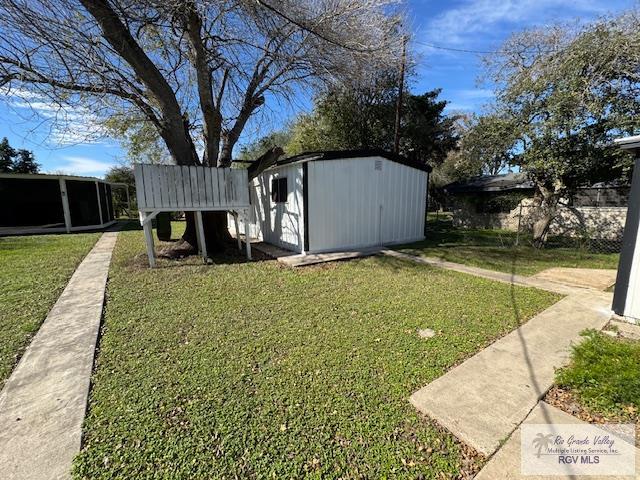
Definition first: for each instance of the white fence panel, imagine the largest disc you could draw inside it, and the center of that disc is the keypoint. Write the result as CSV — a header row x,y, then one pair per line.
x,y
167,187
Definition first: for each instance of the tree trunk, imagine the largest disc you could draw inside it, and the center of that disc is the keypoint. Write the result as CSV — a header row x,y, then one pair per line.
x,y
216,231
547,209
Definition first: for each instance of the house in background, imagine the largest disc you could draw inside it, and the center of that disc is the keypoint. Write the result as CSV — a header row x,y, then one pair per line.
x,y
487,201
507,202
339,200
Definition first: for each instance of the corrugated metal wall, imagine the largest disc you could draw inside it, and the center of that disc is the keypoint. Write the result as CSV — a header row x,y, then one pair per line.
x,y
355,203
281,224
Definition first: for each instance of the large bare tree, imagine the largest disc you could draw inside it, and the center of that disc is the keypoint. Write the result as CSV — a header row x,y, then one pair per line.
x,y
196,70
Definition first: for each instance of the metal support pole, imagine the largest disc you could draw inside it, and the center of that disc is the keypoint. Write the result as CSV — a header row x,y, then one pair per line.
x,y
65,204
519,223
99,204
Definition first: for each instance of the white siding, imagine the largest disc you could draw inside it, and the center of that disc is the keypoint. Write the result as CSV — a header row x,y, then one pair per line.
x,y
353,205
281,224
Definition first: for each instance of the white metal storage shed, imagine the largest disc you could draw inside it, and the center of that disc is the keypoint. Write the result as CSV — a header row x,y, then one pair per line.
x,y
338,200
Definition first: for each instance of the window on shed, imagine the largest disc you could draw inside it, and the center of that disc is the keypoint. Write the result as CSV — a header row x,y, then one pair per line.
x,y
279,190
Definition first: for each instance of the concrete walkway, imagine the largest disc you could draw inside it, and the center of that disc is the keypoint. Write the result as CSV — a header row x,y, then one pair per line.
x,y
293,259
483,400
315,258
505,465
42,405
542,284
596,278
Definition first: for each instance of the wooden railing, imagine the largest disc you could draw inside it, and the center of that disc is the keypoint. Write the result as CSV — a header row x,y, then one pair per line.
x,y
170,188
174,187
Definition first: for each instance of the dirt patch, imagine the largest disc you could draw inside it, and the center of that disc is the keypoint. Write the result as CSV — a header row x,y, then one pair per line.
x,y
230,255
566,401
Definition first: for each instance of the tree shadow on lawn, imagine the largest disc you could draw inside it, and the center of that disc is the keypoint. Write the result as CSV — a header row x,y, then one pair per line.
x,y
230,256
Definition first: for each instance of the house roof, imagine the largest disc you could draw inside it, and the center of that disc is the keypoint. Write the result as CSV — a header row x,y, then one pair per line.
x,y
344,154
491,183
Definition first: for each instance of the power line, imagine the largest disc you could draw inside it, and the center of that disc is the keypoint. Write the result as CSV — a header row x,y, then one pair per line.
x,y
463,50
453,49
313,31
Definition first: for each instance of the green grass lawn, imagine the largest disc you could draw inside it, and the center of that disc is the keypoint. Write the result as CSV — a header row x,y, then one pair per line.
x,y
253,370
604,375
34,272
494,250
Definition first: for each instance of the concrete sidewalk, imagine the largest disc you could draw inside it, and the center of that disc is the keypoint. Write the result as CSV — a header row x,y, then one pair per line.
x,y
42,405
542,284
596,278
485,398
506,464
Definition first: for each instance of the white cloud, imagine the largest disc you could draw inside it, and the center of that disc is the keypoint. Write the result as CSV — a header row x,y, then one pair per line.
x,y
461,26
473,94
82,166
66,125
468,100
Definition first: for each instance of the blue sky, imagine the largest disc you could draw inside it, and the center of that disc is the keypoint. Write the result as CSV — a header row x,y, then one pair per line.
x,y
461,24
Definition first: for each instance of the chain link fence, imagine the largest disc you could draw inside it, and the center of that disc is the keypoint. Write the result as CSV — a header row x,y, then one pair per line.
x,y
592,219
590,229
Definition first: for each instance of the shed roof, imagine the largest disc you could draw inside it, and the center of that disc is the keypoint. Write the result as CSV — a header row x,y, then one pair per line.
x,y
353,154
491,183
628,143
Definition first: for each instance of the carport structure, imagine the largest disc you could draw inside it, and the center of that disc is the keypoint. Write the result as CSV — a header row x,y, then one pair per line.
x,y
42,203
178,188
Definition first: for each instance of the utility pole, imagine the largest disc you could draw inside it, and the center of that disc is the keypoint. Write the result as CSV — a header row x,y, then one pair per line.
x,y
396,139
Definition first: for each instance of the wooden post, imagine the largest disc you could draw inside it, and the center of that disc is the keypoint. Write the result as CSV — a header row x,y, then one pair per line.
x,y
396,136
65,204
202,244
247,237
237,225
148,238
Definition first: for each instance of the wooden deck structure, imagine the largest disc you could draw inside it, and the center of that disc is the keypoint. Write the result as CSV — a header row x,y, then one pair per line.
x,y
171,188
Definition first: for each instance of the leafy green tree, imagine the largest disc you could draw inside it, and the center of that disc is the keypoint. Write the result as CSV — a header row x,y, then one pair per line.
x,y
566,94
426,132
25,162
363,115
486,146
139,138
16,161
254,150
7,154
